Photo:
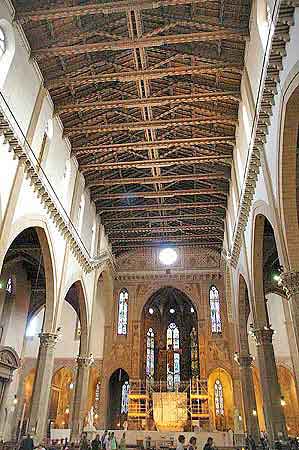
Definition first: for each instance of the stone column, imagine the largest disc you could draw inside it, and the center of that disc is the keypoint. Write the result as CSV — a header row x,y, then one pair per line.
x,y
289,281
80,397
274,416
3,405
248,395
38,417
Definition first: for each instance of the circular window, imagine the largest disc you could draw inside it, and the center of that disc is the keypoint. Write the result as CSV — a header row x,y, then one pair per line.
x,y
168,256
2,42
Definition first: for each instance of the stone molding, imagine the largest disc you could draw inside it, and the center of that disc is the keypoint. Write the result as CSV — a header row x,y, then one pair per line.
x,y
170,276
16,141
263,335
289,281
262,121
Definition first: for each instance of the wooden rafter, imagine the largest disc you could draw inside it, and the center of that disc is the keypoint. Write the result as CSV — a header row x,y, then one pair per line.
x,y
166,229
82,105
212,236
158,144
162,219
159,194
158,179
153,124
60,12
129,44
151,74
162,207
147,164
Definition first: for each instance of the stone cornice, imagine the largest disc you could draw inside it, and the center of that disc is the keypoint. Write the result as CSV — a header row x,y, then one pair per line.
x,y
17,144
270,76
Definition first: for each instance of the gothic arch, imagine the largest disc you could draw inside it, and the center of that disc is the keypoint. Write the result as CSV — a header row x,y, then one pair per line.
x,y
46,245
226,421
287,170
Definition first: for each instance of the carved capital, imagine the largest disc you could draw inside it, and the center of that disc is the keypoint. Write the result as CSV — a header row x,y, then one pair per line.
x,y
85,361
48,340
244,360
263,335
289,281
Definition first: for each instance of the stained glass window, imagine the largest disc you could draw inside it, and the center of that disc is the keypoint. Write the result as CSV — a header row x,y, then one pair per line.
x,y
9,285
194,353
173,356
219,403
150,354
2,42
215,310
122,327
125,398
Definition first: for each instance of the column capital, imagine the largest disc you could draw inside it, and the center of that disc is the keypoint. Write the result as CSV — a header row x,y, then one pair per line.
x,y
48,340
243,360
85,361
263,335
289,281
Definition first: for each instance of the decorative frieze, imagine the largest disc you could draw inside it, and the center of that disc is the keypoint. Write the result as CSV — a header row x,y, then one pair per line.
x,y
289,281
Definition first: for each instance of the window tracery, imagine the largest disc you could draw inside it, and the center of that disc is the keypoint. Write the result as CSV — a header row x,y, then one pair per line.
x,y
122,323
215,310
150,354
2,42
173,363
9,286
219,402
125,398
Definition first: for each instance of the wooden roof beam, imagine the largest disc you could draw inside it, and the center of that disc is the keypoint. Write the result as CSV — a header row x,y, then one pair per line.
x,y
145,145
162,207
148,124
150,74
83,106
161,219
158,194
217,236
158,179
144,42
148,164
95,7
168,229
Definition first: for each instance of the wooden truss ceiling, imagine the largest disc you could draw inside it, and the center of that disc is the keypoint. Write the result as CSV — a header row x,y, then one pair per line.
x,y
148,93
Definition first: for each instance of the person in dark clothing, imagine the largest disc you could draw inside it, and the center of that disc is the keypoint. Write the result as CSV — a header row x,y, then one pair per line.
x,y
27,443
84,444
192,443
96,443
103,440
209,444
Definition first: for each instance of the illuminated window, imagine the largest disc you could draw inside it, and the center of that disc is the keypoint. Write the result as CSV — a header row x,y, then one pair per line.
x,y
9,286
194,353
122,327
215,310
219,403
173,356
33,327
2,42
125,398
150,354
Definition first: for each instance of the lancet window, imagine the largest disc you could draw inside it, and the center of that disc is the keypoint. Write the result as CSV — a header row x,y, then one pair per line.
x,y
125,398
194,353
173,357
150,354
215,310
219,402
122,323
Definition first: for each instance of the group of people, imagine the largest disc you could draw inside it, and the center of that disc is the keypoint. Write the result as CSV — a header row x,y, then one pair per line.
x,y
209,445
106,442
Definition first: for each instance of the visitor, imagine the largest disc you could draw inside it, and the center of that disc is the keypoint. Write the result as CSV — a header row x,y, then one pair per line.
x,y
122,443
113,444
252,445
209,445
27,443
108,441
96,443
41,447
192,443
181,442
103,440
84,444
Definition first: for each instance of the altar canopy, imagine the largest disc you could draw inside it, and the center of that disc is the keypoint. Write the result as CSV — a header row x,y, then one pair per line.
x,y
170,410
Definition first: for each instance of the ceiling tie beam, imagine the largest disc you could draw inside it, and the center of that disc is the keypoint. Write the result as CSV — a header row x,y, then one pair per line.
x,y
158,194
162,207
